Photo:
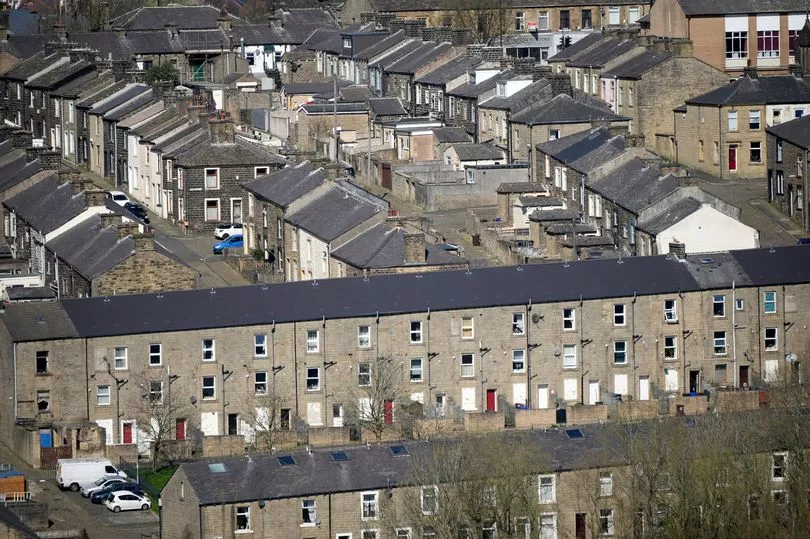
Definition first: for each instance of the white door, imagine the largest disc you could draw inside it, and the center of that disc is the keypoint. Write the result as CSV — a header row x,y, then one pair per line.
x,y
644,388
440,400
620,384
107,425
337,415
593,392
570,389
314,414
209,423
519,393
771,370
365,408
542,396
671,379
468,398
418,397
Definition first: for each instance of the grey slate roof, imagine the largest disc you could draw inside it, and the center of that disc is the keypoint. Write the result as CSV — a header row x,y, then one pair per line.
x,y
779,89
636,67
562,109
535,91
30,293
520,187
381,46
419,58
27,45
90,249
386,106
286,185
395,56
324,39
130,91
76,86
261,34
468,151
41,320
635,185
300,88
238,153
333,214
728,7
96,93
156,18
381,247
407,293
131,106
585,151
536,201
329,108
450,134
475,90
599,56
672,215
545,216
30,66
48,204
797,131
583,44
60,74
439,5
448,71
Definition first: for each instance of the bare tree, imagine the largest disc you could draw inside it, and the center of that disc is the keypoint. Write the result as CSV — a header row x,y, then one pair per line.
x,y
371,404
261,409
156,411
486,18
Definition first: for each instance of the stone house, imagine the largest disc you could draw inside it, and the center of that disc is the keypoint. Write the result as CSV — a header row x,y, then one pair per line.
x,y
354,42
401,74
87,139
467,154
722,132
303,337
362,58
431,88
314,124
585,68
788,145
511,96
463,101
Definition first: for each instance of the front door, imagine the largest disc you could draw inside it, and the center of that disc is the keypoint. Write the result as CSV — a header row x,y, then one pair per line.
x,y
233,424
732,158
492,398
593,392
236,210
644,388
542,397
388,412
337,415
580,528
180,429
440,400
744,376
671,379
694,382
127,434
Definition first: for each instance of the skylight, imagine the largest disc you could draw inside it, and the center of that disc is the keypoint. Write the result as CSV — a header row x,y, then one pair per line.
x,y
286,460
399,450
706,260
217,467
339,456
573,434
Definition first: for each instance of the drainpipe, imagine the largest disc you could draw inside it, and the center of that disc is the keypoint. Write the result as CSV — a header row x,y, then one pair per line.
x,y
633,336
582,352
295,363
684,335
720,136
14,367
734,332
527,325
428,357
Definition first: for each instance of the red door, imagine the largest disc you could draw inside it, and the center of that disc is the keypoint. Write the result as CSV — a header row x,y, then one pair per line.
x,y
491,399
180,429
127,433
732,158
389,412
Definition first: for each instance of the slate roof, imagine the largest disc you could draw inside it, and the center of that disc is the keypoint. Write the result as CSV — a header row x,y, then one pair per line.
x,y
142,115
448,71
439,5
475,90
333,214
42,320
583,44
62,73
124,47
545,216
19,170
672,215
562,109
90,249
599,56
30,293
775,90
75,87
125,109
520,187
130,91
417,59
468,151
156,18
540,201
96,94
238,153
407,293
637,66
381,46
391,57
288,184
383,247
27,45
31,66
354,94
797,131
329,108
299,23
727,7
450,134
635,185
535,91
324,39
585,151
261,34
303,88
48,204
386,106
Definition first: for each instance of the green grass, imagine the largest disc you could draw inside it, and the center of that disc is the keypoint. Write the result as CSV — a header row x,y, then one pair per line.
x,y
156,480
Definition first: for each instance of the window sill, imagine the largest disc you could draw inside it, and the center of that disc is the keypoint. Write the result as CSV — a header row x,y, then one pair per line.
x,y
44,374
417,381
519,372
308,525
620,364
570,368
243,532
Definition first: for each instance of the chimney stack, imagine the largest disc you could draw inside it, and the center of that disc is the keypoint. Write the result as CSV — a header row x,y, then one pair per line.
x,y
414,247
143,242
127,229
677,249
95,197
221,130
21,138
81,183
110,219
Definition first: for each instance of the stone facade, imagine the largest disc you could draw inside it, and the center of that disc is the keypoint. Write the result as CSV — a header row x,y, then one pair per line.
x,y
787,179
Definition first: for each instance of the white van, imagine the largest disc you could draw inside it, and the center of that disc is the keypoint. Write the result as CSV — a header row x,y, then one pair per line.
x,y
82,473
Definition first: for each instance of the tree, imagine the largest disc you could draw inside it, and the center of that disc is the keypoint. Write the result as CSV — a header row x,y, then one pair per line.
x,y
261,410
486,18
162,73
156,411
371,405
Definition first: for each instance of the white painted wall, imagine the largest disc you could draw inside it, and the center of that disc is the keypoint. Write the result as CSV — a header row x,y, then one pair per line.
x,y
709,230
311,260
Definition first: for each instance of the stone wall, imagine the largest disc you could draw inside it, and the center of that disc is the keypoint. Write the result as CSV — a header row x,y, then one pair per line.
x,y
223,446
484,422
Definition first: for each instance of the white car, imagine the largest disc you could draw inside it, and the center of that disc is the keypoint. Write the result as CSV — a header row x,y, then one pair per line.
x,y
118,197
124,500
102,482
226,230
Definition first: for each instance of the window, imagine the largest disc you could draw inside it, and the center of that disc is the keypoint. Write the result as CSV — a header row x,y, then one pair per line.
x,y
364,374
739,304
308,512
416,369
212,178
736,45
102,395
569,356
120,357
613,15
587,21
753,119
715,152
212,209
208,353
799,170
770,339
779,467
209,387
780,182
732,120
778,151
467,327
569,319
260,345
156,391
242,518
769,302
768,43
260,383
798,113
363,337
416,332
618,314
546,491
519,360
553,134
779,497
467,365
606,521
670,310
518,323
620,352
719,306
430,500
605,484
155,354
565,19
369,534
542,20
520,20
755,152
720,344
42,362
369,505
313,378
701,153
313,341
670,347
43,401
402,533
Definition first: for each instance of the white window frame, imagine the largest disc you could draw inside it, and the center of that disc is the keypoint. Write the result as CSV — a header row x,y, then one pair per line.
x,y
212,386
313,341
317,378
260,383
766,302
619,314
719,303
370,509
435,508
720,343
773,339
153,354
605,484
467,369
260,345
518,323
518,360
242,511
670,347
569,354
467,328
607,524
311,507
416,373
569,319
671,313
363,370
550,494
156,395
209,351
620,351
103,395
363,336
120,358
205,209
416,332
783,467
205,178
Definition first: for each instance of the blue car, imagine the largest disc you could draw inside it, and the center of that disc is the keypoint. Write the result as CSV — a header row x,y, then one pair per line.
x,y
231,242
101,495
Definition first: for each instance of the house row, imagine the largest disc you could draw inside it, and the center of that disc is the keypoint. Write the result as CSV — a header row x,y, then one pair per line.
x,y
539,337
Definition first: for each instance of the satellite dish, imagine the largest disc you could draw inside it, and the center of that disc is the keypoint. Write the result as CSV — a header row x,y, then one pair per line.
x,y
536,317
556,352
791,358
193,399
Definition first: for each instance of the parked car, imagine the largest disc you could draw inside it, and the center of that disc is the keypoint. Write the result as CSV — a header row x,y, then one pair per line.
x,y
100,495
138,211
226,230
124,500
230,242
100,483
77,473
119,197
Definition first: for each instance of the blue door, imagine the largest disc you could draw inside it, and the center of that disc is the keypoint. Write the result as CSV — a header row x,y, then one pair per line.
x,y
45,438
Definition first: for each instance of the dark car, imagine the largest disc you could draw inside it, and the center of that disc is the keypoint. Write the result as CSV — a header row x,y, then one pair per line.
x,y
101,495
138,211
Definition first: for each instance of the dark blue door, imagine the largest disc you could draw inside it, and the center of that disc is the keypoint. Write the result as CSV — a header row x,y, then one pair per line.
x,y
45,438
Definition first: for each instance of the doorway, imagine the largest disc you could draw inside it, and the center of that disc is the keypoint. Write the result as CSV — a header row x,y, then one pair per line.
x,y
126,436
233,424
542,396
732,158
743,375
492,400
580,527
337,415
593,392
694,382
